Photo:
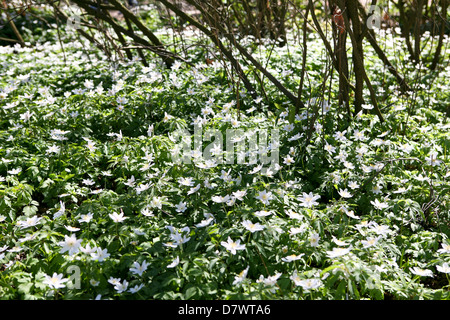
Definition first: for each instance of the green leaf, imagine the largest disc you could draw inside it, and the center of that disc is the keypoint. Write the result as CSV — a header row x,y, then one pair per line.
x,y
195,272
190,292
30,210
25,288
332,267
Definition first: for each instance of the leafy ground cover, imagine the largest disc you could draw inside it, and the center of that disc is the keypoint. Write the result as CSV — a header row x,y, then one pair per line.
x,y
93,205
